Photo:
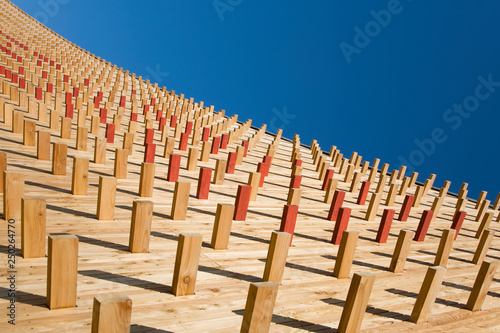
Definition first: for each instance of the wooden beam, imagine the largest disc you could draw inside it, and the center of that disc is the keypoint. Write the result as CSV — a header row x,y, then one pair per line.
x,y
222,226
220,171
483,246
371,213
43,146
241,203
481,285
111,313
146,179
140,227
427,295
106,197
345,254
401,251
254,181
80,176
59,158
485,224
276,257
385,226
444,248
13,192
33,225
186,264
259,307
180,201
100,150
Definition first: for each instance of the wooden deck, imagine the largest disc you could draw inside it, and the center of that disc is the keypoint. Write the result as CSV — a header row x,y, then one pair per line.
x,y
310,299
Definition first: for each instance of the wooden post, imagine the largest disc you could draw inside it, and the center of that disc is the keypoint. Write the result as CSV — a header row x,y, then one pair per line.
x,y
140,228
231,163
381,184
404,186
419,191
483,246
121,161
365,187
458,219
241,203
33,225
385,226
43,145
95,125
100,150
295,181
427,295
81,138
259,307
338,200
276,257
444,249
288,220
186,264
294,195
205,151
481,285
13,191
356,302
220,171
482,197
106,197
128,142
391,196
222,226
147,178
342,221
59,158
65,128
29,133
371,213
192,159
401,251
62,271
174,166
17,122
203,188
482,210
405,208
345,254
485,224
3,167
423,225
80,177
111,314
330,191
254,181
180,201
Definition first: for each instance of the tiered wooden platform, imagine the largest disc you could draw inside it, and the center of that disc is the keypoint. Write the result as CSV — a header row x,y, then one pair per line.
x,y
309,297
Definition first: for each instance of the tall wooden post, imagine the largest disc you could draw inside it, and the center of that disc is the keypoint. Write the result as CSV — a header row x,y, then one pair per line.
x,y
59,159
341,223
140,228
385,225
481,285
62,271
428,294
146,181
33,225
241,203
186,264
80,177
180,201
220,171
483,246
81,138
106,197
254,181
401,251
444,249
356,302
192,159
423,225
203,188
276,257
259,307
111,314
121,163
3,167
29,133
100,150
371,213
43,146
222,226
345,254
13,191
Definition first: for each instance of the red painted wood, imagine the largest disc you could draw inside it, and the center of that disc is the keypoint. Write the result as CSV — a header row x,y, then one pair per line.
x,y
337,201
458,220
39,93
123,100
69,97
268,160
173,121
206,134
149,153
69,111
183,143
22,83
223,141
423,225
145,109
204,183
405,209
242,202
245,144
189,127
159,114
50,87
328,175
341,224
150,136
263,168
110,133
385,225
174,166
133,116
296,162
162,123
295,181
231,162
76,91
288,220
215,145
104,115
363,193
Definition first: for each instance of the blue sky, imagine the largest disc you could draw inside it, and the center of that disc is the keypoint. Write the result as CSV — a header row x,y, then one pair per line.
x,y
412,81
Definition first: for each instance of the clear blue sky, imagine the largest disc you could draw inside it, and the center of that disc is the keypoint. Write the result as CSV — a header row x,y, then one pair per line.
x,y
399,80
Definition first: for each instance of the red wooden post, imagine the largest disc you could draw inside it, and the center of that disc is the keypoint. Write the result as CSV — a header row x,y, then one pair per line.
x,y
296,162
104,115
150,135
363,193
76,91
267,160
149,153
189,127
341,224
231,162
153,101
223,141
329,174
123,100
183,143
215,145
110,133
263,168
174,166
69,98
295,181
145,109
288,220
405,209
245,144
423,225
162,123
458,219
22,83
337,201
173,121
69,111
385,225
50,87
242,202
204,183
206,134
133,116
159,115
39,93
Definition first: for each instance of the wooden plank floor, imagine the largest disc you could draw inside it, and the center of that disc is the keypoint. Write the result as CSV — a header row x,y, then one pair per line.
x,y
310,299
